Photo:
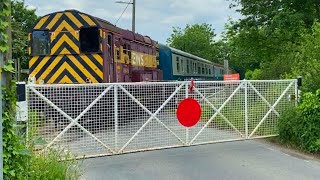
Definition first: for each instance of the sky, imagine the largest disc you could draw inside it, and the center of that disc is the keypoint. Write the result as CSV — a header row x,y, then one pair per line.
x,y
154,18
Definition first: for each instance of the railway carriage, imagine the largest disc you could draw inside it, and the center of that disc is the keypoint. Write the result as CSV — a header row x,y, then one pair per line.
x,y
179,65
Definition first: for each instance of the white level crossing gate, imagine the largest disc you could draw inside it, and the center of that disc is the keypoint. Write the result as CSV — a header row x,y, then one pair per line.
x,y
106,119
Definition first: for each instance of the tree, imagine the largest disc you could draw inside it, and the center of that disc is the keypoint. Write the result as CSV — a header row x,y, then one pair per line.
x,y
23,19
308,60
268,36
197,39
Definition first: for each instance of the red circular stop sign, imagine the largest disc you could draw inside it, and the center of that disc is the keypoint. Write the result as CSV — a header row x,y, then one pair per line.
x,y
189,112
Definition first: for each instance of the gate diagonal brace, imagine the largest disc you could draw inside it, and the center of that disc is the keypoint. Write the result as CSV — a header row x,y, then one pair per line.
x,y
217,112
270,110
73,121
215,109
152,115
264,99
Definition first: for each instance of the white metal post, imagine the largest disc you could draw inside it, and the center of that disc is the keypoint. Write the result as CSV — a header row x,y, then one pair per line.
x,y
116,116
187,129
246,107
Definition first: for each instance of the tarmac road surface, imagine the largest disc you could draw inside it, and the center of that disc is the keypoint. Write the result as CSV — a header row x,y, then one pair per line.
x,y
232,160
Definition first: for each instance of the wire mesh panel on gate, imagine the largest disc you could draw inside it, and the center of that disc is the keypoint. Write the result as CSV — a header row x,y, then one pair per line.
x,y
222,112
266,101
104,119
147,116
75,118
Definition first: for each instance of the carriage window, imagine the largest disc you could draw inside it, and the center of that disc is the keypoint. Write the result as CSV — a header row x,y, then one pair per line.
x,y
202,69
40,43
209,71
195,68
188,66
182,64
89,40
199,69
178,64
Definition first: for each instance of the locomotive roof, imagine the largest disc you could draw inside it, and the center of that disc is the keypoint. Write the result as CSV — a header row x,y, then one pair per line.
x,y
104,24
190,55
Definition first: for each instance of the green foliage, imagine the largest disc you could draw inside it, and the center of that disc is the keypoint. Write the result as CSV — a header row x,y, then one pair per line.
x,y
14,152
23,19
300,126
277,37
253,75
197,39
19,161
50,164
49,167
307,60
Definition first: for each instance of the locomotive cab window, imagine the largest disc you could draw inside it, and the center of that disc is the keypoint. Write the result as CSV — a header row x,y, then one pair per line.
x,y
40,43
89,39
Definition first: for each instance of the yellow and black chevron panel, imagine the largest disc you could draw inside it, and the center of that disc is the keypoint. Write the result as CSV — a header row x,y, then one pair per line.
x,y
65,21
64,43
67,69
65,63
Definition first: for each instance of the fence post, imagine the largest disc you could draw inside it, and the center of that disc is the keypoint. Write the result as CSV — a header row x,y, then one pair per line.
x,y
187,129
115,117
246,107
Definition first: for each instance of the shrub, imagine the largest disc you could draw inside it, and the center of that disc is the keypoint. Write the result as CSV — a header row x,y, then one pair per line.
x,y
300,126
288,122
253,75
49,166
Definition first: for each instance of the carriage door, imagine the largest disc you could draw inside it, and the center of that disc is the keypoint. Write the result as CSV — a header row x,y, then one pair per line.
x,y
110,58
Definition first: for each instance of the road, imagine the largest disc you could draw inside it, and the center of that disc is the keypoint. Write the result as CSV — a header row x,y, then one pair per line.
x,y
232,160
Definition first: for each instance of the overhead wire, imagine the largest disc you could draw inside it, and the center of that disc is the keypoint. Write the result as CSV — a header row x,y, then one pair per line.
x,y
123,12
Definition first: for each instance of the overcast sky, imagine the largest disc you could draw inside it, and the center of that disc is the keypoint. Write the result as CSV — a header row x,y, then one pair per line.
x,y
154,18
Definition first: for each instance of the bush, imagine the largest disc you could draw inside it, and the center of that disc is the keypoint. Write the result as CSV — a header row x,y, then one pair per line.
x,y
300,126
253,75
50,167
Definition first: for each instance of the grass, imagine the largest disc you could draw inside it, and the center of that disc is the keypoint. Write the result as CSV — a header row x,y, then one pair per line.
x,y
51,164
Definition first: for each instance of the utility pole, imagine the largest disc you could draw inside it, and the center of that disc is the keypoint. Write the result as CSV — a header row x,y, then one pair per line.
x,y
134,16
133,12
